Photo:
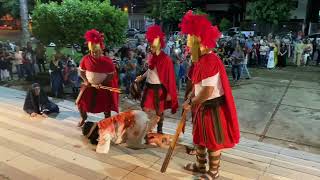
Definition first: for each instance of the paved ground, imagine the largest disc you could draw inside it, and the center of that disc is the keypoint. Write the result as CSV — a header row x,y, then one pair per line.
x,y
282,108
53,148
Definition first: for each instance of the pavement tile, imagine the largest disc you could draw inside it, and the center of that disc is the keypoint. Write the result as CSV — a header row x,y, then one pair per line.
x,y
7,154
298,165
29,142
24,163
305,84
299,125
89,163
106,158
153,174
240,170
247,155
302,97
135,176
291,174
259,92
54,173
9,173
253,116
268,176
247,135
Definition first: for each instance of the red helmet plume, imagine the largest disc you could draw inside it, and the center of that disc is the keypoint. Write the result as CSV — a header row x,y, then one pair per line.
x,y
201,27
154,32
95,37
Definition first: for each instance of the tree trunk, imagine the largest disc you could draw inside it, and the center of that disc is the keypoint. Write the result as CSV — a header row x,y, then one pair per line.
x,y
24,22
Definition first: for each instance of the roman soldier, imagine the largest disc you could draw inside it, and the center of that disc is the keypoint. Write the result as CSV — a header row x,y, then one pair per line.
x,y
215,121
160,92
97,70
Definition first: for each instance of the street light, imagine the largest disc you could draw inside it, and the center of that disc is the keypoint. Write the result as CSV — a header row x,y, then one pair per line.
x,y
125,9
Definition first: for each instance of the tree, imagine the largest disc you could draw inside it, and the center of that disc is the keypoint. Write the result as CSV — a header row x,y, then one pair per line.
x,y
201,12
24,21
270,11
67,22
12,7
169,12
225,24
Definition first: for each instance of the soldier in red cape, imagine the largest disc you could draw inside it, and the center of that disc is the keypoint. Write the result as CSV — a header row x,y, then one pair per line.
x,y
97,70
215,121
160,92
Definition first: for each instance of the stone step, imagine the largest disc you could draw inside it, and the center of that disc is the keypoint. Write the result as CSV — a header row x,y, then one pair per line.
x,y
248,160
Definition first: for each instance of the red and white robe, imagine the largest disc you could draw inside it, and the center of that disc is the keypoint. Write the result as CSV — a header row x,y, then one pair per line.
x,y
98,100
215,125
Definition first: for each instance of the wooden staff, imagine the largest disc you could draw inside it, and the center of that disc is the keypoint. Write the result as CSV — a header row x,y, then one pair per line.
x,y
112,89
174,142
80,94
116,90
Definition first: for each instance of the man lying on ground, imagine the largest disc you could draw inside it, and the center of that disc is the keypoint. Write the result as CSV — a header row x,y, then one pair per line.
x,y
132,127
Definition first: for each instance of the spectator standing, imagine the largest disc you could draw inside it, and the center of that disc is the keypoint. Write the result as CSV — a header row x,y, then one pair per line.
x,y
271,63
28,62
142,47
298,52
318,58
244,67
282,57
9,57
264,50
41,57
56,77
307,52
276,53
237,59
4,73
169,46
130,69
18,59
74,79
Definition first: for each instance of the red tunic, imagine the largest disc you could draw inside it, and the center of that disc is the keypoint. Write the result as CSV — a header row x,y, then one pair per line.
x,y
98,100
203,132
166,74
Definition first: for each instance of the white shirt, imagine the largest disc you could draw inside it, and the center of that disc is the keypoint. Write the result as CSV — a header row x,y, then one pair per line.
x,y
94,77
214,81
18,58
142,48
152,76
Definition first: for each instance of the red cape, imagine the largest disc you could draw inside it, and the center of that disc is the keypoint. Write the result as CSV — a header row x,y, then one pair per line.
x,y
103,65
166,74
207,66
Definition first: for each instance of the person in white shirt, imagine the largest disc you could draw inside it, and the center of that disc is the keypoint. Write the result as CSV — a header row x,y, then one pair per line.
x,y
264,49
18,62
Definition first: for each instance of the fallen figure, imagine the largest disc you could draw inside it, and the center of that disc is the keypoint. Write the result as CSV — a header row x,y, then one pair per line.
x,y
129,127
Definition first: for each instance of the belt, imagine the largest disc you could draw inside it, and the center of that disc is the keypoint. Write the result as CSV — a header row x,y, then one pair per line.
x,y
213,106
154,86
214,102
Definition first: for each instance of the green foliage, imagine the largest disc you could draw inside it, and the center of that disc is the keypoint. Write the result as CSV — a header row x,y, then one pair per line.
x,y
10,7
225,24
169,12
67,22
210,17
270,11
